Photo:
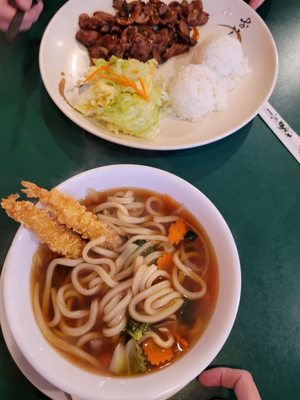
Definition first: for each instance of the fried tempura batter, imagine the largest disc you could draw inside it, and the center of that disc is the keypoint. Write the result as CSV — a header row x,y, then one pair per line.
x,y
59,238
74,215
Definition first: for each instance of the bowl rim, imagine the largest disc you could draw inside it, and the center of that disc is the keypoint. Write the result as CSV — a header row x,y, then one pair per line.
x,y
155,390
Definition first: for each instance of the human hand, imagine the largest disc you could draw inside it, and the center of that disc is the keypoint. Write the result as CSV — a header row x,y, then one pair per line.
x,y
7,13
239,380
255,3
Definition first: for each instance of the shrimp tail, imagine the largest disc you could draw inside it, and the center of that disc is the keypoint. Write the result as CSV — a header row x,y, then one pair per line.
x,y
33,191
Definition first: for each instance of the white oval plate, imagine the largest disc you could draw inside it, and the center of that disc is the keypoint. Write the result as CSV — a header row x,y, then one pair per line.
x,y
61,53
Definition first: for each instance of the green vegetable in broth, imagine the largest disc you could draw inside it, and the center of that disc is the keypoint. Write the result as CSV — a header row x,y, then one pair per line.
x,y
136,329
187,313
128,359
191,235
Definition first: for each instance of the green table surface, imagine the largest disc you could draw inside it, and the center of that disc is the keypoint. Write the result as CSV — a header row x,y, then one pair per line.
x,y
250,177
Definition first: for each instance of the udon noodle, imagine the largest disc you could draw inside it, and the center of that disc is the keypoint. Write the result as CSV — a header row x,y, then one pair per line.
x,y
86,307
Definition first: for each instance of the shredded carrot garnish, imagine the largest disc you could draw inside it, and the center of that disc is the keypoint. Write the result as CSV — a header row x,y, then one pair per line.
x,y
92,74
177,231
134,86
143,86
110,78
180,340
111,75
165,262
106,67
155,354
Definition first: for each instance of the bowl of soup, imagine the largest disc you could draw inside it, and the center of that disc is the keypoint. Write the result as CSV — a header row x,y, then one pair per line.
x,y
134,288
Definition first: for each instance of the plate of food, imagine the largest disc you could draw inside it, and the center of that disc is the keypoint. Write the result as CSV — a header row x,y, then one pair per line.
x,y
158,75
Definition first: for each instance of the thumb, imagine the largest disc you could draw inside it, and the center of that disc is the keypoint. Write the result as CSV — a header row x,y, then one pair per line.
x,y
239,380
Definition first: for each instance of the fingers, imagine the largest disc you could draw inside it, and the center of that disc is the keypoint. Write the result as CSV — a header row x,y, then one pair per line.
x,y
8,11
255,3
23,5
31,16
6,14
239,380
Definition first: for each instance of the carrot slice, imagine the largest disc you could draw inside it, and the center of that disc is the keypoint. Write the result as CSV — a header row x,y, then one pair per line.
x,y
177,231
206,299
155,354
105,359
165,262
170,202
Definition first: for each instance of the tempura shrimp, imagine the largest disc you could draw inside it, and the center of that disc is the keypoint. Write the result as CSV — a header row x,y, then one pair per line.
x,y
59,238
74,215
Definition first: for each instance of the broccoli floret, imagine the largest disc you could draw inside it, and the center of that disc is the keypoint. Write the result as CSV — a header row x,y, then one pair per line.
x,y
136,329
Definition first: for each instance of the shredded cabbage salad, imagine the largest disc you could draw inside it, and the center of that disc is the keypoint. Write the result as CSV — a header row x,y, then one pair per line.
x,y
123,94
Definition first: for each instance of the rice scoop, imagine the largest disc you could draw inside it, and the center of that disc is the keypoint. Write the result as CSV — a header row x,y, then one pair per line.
x,y
218,64
225,56
195,92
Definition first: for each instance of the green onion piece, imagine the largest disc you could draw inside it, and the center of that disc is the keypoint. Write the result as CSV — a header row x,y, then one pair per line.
x,y
191,235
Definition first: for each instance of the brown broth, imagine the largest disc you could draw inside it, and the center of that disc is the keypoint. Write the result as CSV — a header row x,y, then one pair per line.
x,y
202,308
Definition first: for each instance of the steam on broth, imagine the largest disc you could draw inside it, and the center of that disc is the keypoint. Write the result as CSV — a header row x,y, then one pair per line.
x,y
136,308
